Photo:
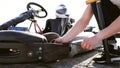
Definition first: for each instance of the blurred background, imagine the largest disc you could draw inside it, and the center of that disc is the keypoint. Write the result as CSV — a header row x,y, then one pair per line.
x,y
12,8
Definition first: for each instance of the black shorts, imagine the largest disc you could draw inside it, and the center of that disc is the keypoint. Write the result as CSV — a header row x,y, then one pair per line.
x,y
110,13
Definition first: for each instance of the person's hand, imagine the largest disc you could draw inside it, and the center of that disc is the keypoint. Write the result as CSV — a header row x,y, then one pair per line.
x,y
89,43
60,40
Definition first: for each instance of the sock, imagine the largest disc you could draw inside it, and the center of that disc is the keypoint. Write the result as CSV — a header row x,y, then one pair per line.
x,y
115,46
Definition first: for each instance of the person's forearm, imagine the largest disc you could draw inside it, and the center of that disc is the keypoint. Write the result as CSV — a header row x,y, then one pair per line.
x,y
110,30
80,25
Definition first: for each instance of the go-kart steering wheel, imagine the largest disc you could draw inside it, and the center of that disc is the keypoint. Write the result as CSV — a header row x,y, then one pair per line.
x,y
38,11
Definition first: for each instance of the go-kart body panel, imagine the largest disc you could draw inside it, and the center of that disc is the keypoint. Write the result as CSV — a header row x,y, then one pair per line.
x,y
42,52
29,47
26,47
20,36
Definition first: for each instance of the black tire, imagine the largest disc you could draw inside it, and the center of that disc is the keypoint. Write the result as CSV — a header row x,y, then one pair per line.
x,y
51,36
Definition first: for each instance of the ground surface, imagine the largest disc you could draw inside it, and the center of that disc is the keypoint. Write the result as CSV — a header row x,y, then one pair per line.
x,y
79,61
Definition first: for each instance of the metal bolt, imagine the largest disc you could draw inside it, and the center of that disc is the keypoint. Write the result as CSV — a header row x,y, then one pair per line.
x,y
57,60
30,54
40,48
39,57
11,49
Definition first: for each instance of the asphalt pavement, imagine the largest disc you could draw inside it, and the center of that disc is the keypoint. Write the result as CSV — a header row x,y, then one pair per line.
x,y
84,60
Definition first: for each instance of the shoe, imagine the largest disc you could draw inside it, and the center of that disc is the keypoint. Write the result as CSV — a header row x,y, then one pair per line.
x,y
102,59
114,55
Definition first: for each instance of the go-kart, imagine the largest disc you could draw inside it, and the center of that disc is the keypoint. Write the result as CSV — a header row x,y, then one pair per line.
x,y
24,46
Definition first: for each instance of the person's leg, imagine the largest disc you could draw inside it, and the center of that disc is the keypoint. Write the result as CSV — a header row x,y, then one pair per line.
x,y
109,16
110,12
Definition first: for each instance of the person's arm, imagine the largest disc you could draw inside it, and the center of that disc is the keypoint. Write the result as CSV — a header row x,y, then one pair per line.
x,y
79,26
89,43
110,30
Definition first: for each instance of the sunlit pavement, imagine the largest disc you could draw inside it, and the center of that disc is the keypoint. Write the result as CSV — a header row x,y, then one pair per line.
x,y
84,61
